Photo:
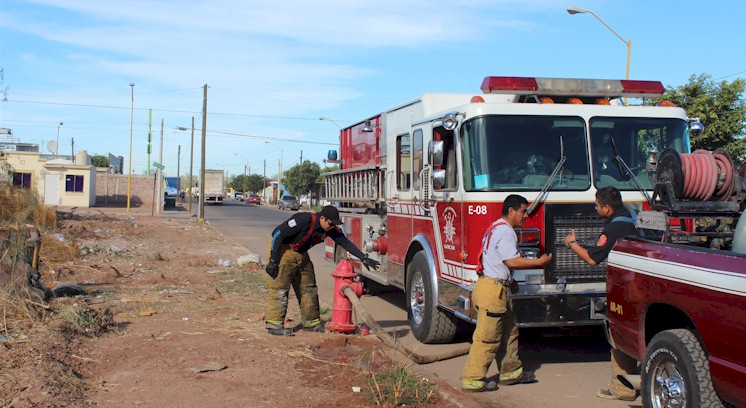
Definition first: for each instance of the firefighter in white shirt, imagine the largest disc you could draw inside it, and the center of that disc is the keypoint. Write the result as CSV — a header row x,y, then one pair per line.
x,y
496,334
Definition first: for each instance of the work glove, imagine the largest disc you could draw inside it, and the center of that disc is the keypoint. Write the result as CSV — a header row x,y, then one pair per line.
x,y
272,269
370,263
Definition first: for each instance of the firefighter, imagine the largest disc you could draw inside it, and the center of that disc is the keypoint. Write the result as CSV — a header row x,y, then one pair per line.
x,y
289,265
496,334
619,222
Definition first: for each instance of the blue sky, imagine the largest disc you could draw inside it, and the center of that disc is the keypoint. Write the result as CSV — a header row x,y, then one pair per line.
x,y
274,68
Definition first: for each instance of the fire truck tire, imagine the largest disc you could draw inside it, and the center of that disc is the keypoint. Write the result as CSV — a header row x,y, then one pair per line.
x,y
430,324
675,372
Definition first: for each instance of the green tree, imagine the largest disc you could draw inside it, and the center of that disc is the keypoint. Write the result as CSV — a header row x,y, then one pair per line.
x,y
720,107
250,183
99,160
327,169
299,179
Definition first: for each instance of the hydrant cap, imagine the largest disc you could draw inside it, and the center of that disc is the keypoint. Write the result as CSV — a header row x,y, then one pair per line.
x,y
344,270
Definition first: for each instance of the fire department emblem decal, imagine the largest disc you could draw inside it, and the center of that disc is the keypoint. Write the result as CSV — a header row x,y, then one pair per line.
x,y
449,230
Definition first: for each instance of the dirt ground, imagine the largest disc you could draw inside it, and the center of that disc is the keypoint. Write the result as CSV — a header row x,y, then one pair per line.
x,y
188,328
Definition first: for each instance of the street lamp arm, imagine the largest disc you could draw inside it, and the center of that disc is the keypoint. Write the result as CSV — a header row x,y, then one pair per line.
x,y
335,123
629,43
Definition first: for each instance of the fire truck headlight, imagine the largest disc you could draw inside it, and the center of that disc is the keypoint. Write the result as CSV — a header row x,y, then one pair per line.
x,y
529,253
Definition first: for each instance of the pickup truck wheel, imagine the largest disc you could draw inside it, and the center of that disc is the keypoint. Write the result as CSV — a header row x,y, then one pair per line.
x,y
676,373
429,323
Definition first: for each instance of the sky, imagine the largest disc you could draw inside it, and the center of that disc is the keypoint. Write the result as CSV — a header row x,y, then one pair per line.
x,y
273,68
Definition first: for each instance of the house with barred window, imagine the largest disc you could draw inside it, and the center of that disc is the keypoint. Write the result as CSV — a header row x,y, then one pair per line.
x,y
59,182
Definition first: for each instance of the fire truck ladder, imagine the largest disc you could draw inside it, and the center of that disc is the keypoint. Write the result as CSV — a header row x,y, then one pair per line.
x,y
361,184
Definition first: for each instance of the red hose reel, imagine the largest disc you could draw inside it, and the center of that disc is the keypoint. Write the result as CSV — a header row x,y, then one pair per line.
x,y
698,176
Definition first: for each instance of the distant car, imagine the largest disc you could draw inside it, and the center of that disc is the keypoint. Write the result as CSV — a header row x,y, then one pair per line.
x,y
238,195
254,199
288,201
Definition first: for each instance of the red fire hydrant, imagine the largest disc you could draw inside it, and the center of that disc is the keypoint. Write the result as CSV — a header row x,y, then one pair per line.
x,y
342,312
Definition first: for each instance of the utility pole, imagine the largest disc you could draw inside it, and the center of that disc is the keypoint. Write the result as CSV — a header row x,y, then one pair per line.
x,y
160,154
201,214
301,157
191,165
264,181
150,136
178,168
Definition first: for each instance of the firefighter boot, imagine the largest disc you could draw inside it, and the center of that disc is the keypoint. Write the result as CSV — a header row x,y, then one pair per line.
x,y
478,386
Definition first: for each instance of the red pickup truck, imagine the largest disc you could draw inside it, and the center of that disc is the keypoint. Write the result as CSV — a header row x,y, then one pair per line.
x,y
680,311
676,297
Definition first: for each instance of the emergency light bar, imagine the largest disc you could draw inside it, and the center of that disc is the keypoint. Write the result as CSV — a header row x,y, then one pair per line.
x,y
572,87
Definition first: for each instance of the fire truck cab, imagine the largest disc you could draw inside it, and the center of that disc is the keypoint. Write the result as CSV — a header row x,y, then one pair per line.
x,y
419,184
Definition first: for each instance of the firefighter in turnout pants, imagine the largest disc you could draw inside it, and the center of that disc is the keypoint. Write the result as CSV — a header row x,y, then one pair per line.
x,y
496,334
619,223
289,265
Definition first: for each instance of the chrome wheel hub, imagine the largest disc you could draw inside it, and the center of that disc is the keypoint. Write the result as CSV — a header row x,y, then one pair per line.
x,y
669,388
417,298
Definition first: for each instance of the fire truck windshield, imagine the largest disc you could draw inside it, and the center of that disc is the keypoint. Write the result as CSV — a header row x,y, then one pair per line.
x,y
631,139
519,152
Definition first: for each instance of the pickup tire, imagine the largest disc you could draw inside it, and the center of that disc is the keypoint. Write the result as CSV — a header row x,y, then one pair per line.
x,y
676,373
430,324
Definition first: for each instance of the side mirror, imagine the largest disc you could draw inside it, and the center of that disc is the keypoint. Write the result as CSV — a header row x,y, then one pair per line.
x,y
696,128
435,149
439,178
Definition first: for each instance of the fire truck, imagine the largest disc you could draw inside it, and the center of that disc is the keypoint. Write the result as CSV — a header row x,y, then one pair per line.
x,y
419,184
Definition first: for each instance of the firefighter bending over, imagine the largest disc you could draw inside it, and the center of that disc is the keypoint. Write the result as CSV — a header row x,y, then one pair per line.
x,y
289,265
496,334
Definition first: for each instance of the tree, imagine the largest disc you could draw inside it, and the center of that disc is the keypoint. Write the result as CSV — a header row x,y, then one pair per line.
x,y
99,160
252,182
721,109
327,169
299,179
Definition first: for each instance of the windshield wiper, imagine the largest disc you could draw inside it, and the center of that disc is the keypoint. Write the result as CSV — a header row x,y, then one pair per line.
x,y
557,170
627,173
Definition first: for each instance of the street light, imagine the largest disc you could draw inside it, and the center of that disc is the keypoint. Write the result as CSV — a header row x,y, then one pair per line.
x,y
129,175
57,149
279,174
191,163
577,10
245,165
335,123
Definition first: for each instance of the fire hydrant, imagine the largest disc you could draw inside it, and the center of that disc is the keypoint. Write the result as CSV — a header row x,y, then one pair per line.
x,y
342,311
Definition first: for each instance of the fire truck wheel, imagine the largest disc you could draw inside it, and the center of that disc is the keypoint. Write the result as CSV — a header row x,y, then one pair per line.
x,y
676,373
430,324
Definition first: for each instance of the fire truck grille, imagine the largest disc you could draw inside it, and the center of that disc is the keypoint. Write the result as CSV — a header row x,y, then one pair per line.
x,y
588,226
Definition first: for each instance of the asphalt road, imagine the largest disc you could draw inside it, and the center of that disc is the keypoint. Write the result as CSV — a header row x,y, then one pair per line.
x,y
570,368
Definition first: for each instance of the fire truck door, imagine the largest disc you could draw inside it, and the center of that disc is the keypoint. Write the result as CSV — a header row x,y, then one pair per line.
x,y
449,207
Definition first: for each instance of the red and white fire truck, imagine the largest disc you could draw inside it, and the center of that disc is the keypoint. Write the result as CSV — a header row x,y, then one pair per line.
x,y
419,183
677,296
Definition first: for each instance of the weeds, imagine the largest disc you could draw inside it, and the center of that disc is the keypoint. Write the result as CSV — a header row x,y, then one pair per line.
x,y
81,319
396,386
159,257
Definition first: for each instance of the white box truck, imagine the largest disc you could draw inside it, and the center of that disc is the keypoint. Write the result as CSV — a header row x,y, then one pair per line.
x,y
214,184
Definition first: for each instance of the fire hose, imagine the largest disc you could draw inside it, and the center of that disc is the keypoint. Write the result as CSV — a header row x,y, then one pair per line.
x,y
707,175
391,341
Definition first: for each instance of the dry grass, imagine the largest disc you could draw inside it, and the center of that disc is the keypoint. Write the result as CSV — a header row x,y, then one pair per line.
x,y
20,206
396,386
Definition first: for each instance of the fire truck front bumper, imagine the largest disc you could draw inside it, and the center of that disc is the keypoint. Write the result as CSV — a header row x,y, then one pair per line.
x,y
555,305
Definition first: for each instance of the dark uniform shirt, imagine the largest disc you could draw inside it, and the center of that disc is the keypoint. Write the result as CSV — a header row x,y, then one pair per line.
x,y
613,230
295,228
